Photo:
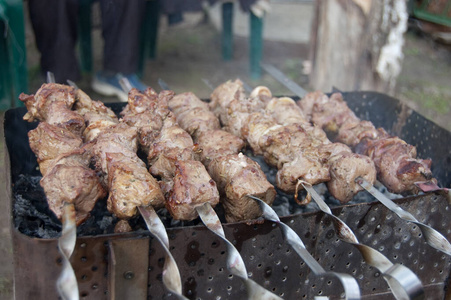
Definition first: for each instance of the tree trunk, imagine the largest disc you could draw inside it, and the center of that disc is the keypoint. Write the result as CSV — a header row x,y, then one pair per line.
x,y
357,44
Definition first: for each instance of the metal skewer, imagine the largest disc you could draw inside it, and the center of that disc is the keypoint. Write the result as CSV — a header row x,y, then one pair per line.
x,y
67,281
349,283
434,238
404,284
171,274
235,262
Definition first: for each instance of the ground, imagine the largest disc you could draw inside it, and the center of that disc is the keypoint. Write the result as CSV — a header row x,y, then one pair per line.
x,y
191,51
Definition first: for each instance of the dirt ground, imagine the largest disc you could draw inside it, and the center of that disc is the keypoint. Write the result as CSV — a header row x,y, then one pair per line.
x,y
191,51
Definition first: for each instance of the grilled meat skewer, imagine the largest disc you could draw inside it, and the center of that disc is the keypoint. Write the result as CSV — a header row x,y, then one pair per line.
x,y
277,129
113,149
396,163
56,142
235,174
171,154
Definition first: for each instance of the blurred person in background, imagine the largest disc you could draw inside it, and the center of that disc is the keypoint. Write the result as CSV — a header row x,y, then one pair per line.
x,y
55,24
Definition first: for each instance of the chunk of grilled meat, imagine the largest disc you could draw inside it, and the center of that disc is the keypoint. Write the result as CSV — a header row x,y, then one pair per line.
x,y
69,180
131,185
52,103
223,95
344,168
331,113
148,112
192,187
97,116
119,138
171,145
396,163
239,176
285,111
122,226
49,141
351,133
193,114
216,143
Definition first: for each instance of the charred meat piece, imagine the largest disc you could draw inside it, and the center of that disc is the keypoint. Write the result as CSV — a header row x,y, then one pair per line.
x,y
52,103
71,181
49,141
283,142
131,185
285,111
171,145
351,133
148,112
193,114
223,95
345,167
238,176
302,167
97,116
217,143
331,113
309,100
239,110
192,187
396,163
119,138
256,126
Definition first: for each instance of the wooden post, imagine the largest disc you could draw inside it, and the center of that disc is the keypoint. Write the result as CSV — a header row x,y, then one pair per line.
x,y
357,44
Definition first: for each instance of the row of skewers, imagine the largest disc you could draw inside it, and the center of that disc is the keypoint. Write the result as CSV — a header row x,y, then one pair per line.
x,y
193,149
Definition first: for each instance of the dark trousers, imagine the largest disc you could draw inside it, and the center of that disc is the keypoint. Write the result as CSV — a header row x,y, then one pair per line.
x,y
55,26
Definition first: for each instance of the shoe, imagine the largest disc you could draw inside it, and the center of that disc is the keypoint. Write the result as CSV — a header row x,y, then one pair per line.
x,y
109,85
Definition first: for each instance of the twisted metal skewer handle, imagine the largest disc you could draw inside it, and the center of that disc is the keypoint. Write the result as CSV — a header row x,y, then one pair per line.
x,y
235,262
67,281
349,283
404,284
171,274
434,238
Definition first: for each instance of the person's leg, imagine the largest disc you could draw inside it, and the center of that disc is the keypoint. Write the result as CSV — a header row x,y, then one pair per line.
x,y
55,26
121,27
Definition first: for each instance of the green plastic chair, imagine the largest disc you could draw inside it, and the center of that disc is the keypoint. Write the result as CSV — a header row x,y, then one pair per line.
x,y
13,54
255,38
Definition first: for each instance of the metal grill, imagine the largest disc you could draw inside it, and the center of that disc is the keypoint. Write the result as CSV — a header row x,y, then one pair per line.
x,y
113,265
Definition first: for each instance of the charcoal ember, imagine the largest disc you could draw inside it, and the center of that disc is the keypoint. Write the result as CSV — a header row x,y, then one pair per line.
x,y
32,215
